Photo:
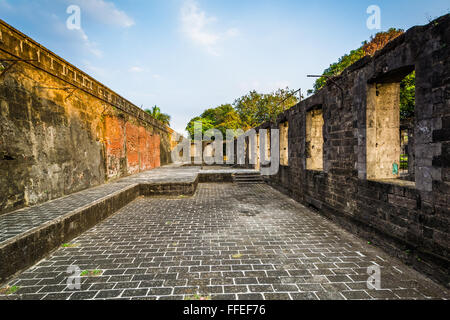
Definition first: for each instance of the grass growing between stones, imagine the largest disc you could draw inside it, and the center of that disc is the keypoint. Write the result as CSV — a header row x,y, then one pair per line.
x,y
9,290
91,273
70,245
198,297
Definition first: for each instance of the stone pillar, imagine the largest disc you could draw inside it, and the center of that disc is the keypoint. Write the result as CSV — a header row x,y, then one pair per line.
x,y
284,154
258,160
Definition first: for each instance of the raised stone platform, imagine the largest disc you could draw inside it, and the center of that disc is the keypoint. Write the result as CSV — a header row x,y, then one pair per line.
x,y
27,235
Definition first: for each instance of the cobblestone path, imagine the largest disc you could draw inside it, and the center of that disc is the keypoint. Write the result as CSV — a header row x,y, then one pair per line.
x,y
225,242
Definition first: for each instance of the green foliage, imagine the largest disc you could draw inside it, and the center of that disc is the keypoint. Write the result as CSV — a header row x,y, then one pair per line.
x,y
271,105
91,273
408,96
206,125
247,111
9,290
231,121
13,289
336,68
376,43
70,245
156,114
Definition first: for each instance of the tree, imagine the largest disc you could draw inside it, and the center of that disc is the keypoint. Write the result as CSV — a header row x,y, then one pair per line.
x,y
368,48
231,121
217,115
408,96
247,111
222,118
206,125
380,40
156,114
336,68
247,108
271,105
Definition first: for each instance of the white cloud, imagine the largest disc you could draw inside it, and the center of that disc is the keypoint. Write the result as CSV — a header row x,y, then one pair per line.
x,y
90,46
76,37
105,12
136,69
196,25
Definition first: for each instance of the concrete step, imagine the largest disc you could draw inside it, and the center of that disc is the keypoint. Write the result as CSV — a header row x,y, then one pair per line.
x,y
250,182
248,178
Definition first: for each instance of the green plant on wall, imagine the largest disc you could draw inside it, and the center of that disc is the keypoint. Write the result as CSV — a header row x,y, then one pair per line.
x,y
369,48
156,114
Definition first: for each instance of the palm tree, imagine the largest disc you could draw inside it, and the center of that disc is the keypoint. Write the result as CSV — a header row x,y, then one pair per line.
x,y
156,114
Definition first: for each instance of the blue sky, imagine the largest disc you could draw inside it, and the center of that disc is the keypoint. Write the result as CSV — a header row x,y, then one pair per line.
x,y
189,55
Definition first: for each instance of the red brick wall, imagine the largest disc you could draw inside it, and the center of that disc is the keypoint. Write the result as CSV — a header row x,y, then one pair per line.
x,y
125,142
65,141
114,144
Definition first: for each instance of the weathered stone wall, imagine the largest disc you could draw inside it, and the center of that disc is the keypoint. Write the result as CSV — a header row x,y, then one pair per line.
x,y
61,131
409,219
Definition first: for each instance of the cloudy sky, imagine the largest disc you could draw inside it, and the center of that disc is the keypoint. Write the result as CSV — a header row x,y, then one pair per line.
x,y
189,55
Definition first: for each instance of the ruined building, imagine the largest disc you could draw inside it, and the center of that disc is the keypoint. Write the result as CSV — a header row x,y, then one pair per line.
x,y
341,150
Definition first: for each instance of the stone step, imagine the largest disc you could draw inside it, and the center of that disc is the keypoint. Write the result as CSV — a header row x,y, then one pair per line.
x,y
248,178
250,182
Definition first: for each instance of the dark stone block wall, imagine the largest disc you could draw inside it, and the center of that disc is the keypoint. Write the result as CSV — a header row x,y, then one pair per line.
x,y
408,219
61,131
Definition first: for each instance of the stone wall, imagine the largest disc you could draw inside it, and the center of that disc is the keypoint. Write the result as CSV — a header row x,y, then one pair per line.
x,y
61,131
410,219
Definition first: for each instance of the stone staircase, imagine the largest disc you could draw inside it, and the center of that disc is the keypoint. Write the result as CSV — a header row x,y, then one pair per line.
x,y
248,178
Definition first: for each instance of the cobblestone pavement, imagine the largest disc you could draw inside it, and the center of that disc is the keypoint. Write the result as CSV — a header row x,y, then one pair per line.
x,y
225,242
26,219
